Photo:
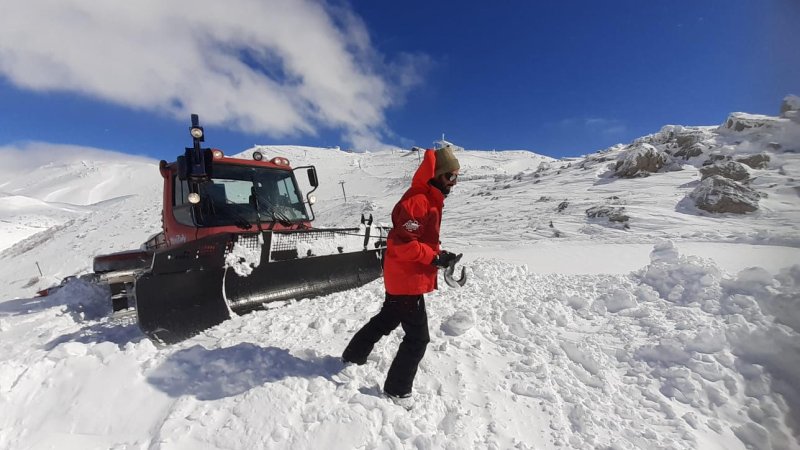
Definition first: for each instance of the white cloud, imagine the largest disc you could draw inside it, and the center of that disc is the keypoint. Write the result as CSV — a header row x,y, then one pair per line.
x,y
282,67
609,127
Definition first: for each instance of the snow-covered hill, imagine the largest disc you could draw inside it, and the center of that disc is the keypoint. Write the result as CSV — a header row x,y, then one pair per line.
x,y
45,186
601,311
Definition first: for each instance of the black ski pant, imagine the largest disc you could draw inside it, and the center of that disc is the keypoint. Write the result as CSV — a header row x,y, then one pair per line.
x,y
408,311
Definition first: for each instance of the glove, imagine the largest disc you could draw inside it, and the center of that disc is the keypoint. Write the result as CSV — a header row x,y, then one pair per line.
x,y
444,258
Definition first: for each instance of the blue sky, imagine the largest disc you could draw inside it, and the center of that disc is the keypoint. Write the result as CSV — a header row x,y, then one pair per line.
x,y
559,78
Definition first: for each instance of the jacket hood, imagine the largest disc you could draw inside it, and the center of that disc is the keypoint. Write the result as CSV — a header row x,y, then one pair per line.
x,y
425,171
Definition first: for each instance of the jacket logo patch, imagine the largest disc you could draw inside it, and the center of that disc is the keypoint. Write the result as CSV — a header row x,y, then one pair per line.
x,y
411,226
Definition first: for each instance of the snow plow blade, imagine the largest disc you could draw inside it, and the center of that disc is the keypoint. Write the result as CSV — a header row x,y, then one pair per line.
x,y
195,286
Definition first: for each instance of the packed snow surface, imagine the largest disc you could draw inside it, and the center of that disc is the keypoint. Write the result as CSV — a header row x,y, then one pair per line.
x,y
678,331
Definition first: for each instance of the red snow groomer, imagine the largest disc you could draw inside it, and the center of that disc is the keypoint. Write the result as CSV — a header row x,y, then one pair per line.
x,y
236,234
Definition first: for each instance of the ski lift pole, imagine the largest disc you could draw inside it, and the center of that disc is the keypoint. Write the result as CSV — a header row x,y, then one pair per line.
x,y
343,192
418,150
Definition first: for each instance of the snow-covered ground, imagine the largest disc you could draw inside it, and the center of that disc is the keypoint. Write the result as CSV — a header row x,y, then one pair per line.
x,y
677,329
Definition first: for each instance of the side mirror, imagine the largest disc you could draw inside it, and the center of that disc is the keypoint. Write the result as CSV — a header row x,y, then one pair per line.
x,y
312,177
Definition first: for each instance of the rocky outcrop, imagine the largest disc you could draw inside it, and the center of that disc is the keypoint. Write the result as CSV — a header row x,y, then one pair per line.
x,y
689,152
690,144
742,121
612,213
640,160
757,161
717,194
731,170
679,141
688,139
715,158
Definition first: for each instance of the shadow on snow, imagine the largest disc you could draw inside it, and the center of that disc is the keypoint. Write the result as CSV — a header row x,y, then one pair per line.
x,y
226,372
116,333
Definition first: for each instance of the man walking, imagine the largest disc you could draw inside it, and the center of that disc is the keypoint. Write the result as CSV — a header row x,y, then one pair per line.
x,y
410,267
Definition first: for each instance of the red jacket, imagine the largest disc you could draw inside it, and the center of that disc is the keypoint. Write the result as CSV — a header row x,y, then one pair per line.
x,y
414,239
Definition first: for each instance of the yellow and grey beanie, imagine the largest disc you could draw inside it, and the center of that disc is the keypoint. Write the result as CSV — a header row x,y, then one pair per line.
x,y
446,161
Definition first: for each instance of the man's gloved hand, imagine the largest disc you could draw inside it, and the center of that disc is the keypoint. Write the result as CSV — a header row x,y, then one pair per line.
x,y
444,258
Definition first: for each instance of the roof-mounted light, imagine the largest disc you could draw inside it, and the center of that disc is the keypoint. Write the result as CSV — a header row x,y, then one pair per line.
x,y
258,156
218,154
196,132
279,161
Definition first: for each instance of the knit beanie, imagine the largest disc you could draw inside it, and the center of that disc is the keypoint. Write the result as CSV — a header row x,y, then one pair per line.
x,y
446,161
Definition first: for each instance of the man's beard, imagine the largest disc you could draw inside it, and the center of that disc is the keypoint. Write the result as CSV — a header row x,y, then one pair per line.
x,y
445,190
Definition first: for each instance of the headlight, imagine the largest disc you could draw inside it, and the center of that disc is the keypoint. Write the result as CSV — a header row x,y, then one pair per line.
x,y
194,198
279,161
197,133
258,156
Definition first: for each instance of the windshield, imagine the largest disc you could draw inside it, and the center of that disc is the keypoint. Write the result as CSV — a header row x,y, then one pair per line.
x,y
228,198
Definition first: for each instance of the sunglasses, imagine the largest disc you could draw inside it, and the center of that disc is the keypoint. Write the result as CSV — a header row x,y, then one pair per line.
x,y
451,177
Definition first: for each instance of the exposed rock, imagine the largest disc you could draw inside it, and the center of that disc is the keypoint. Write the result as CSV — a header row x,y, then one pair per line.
x,y
613,213
757,161
593,160
688,140
689,152
774,145
714,158
562,206
663,137
717,194
732,170
674,136
640,160
742,121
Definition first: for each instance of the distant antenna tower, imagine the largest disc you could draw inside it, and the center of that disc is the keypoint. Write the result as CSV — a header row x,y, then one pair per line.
x,y
441,143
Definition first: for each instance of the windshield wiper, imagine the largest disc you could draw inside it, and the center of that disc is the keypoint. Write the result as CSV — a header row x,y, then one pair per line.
x,y
242,223
277,216
270,208
227,211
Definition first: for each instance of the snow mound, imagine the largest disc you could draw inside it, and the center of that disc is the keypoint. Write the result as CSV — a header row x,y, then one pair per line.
x,y
245,255
459,323
681,279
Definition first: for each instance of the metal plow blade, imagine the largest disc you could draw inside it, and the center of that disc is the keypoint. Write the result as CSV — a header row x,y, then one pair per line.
x,y
194,287
304,264
182,294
